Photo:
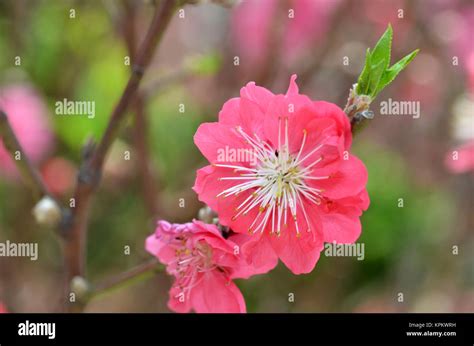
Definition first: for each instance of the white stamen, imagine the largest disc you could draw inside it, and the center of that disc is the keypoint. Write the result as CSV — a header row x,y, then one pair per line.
x,y
277,184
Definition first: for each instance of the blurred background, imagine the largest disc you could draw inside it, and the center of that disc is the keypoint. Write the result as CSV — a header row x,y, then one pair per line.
x,y
52,50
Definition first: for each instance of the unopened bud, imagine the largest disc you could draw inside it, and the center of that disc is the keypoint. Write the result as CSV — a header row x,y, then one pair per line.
x,y
206,215
80,287
47,212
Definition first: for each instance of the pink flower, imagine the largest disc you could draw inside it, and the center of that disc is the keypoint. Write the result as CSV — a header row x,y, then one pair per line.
x,y
463,161
291,182
255,22
203,263
27,115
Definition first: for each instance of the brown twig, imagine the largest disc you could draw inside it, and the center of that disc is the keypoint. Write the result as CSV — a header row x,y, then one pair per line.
x,y
141,271
75,230
180,75
140,130
357,109
26,168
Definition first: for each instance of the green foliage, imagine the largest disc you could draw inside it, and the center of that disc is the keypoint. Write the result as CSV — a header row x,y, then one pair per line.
x,y
171,137
44,46
204,64
102,82
127,226
387,228
377,74
4,58
390,73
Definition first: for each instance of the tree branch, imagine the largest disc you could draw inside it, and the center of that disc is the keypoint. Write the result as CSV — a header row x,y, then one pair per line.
x,y
75,230
140,272
26,168
357,109
140,130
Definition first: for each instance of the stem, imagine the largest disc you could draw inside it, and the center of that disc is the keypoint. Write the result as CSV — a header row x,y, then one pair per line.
x,y
357,109
26,168
163,82
75,231
140,134
160,21
139,273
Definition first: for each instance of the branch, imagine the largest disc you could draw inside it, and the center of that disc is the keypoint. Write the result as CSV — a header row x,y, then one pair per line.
x,y
160,21
179,75
139,273
26,168
75,230
357,109
148,185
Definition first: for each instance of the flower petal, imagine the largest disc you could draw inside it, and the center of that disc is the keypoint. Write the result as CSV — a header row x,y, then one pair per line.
x,y
257,254
348,180
342,227
330,110
178,301
215,139
299,254
217,294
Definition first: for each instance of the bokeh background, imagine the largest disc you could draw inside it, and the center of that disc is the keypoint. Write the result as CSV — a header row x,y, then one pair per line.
x,y
46,56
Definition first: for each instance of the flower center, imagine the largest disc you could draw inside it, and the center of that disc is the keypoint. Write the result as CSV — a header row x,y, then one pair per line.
x,y
190,261
278,182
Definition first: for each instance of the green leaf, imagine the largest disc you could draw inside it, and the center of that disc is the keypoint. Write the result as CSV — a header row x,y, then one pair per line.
x,y
363,82
390,74
376,61
383,48
375,76
376,73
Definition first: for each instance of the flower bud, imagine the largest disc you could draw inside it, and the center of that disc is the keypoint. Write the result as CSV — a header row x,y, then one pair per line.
x,y
206,215
47,212
80,287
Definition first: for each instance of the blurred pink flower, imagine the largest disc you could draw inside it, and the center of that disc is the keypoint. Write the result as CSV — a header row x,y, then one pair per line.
x,y
59,175
27,115
254,24
3,309
451,22
463,161
462,46
203,263
380,13
288,178
470,71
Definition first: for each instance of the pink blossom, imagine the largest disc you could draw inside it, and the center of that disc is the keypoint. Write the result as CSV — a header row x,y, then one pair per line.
x,y
302,187
464,47
59,175
254,23
463,161
27,115
203,263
